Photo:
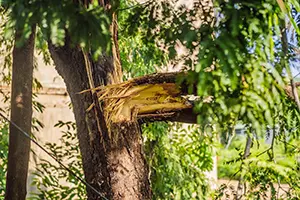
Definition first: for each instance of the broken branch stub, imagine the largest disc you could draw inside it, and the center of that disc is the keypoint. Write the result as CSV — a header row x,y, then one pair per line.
x,y
127,101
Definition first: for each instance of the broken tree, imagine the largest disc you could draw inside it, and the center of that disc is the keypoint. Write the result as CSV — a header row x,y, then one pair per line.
x,y
109,132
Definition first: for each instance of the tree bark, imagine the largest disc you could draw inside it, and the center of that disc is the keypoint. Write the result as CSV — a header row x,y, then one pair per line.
x,y
114,165
70,65
127,166
21,114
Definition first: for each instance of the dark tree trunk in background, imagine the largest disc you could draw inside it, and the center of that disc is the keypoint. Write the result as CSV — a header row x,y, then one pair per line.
x,y
21,114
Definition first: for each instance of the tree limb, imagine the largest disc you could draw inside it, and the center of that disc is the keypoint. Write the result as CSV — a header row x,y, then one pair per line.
x,y
154,97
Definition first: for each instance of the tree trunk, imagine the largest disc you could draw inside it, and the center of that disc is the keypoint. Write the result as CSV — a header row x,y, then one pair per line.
x,y
127,166
115,166
21,114
70,64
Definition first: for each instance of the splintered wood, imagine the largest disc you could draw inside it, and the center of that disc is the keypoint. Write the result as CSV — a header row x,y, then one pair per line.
x,y
125,101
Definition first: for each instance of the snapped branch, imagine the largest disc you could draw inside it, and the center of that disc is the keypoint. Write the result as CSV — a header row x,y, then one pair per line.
x,y
154,97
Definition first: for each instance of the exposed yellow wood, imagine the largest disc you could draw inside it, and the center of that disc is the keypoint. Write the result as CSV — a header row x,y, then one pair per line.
x,y
125,102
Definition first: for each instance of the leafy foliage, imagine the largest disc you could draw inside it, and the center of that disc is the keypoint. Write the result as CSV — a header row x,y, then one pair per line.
x,y
5,51
5,77
137,58
239,64
55,18
178,157
3,156
270,169
53,181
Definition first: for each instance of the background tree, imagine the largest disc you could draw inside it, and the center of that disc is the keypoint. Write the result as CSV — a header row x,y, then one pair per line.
x,y
21,115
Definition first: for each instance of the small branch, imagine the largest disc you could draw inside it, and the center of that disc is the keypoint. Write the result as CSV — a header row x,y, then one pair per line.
x,y
294,146
263,152
271,154
247,147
